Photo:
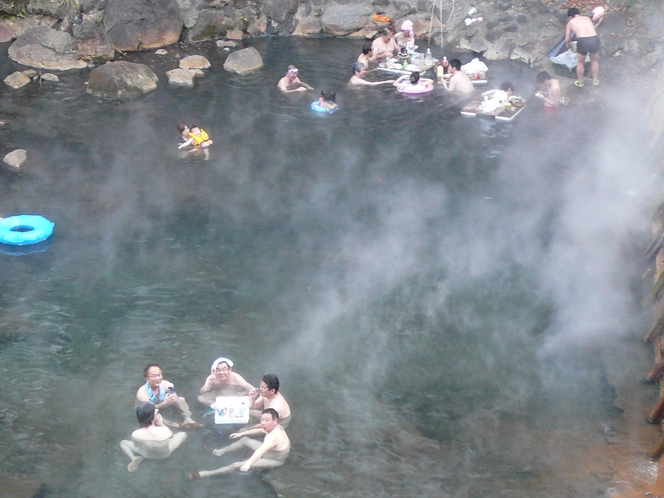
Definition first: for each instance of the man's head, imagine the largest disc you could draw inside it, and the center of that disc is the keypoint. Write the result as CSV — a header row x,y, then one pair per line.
x,y
222,368
573,12
269,385
291,72
145,413
153,375
366,49
542,77
359,69
507,87
455,64
385,34
269,419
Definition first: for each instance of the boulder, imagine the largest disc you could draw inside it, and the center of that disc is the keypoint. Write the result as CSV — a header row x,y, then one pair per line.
x,y
121,80
500,50
46,48
183,77
210,24
50,77
17,80
305,22
235,34
143,25
195,62
188,12
15,158
279,9
92,41
243,61
226,44
339,20
30,73
6,34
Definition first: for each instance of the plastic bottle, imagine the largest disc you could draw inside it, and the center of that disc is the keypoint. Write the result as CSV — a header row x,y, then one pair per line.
x,y
445,64
428,57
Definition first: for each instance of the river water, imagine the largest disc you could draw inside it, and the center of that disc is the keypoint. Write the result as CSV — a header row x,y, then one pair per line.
x,y
447,307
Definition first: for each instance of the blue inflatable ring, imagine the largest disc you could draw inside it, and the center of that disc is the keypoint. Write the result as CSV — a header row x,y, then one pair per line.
x,y
25,229
319,108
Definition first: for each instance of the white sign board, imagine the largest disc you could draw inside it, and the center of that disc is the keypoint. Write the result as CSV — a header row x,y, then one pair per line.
x,y
231,410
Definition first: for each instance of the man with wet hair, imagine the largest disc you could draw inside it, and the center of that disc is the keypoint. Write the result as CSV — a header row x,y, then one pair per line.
x,y
551,94
268,396
460,83
269,454
153,440
222,381
359,72
161,394
587,44
384,45
291,82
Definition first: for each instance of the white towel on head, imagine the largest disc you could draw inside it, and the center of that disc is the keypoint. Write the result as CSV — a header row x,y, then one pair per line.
x,y
221,360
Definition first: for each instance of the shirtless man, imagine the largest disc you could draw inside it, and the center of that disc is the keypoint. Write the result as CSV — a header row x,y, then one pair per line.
x,y
153,440
384,46
587,43
291,83
161,394
269,454
459,81
550,96
223,381
367,56
359,72
268,396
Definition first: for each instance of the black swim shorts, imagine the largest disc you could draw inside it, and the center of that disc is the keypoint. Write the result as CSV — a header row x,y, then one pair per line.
x,y
588,45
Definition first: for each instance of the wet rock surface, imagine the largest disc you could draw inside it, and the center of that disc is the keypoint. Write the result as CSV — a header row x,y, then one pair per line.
x,y
121,80
15,158
17,80
244,61
46,48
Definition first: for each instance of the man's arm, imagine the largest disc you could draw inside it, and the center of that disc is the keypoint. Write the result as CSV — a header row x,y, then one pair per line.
x,y
250,432
268,444
305,85
568,33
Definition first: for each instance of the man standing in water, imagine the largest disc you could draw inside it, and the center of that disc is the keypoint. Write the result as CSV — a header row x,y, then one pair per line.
x,y
291,83
269,454
550,96
153,440
222,381
459,81
161,394
587,44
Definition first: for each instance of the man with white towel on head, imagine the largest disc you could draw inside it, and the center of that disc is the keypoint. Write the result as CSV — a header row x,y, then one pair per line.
x,y
222,381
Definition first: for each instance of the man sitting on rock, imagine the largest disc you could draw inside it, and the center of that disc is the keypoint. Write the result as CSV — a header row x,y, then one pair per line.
x,y
153,440
291,82
269,454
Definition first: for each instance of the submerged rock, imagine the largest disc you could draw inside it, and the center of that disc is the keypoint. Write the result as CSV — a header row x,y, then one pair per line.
x,y
50,77
143,25
195,62
121,80
17,80
244,61
46,48
183,77
15,158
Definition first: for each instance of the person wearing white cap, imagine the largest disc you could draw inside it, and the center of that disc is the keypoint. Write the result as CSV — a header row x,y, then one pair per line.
x,y
406,38
291,82
223,381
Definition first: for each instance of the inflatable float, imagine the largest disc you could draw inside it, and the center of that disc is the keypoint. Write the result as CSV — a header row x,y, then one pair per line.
x,y
409,89
319,108
25,229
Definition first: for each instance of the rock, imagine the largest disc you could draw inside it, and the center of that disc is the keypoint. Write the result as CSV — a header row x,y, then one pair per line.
x,y
243,61
504,5
511,28
307,27
15,158
521,19
46,48
257,27
492,24
50,77
160,51
2,123
189,12
121,80
195,62
279,9
500,50
20,24
17,80
92,41
6,34
143,25
341,20
211,23
226,43
475,44
30,73
493,34
183,77
235,34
